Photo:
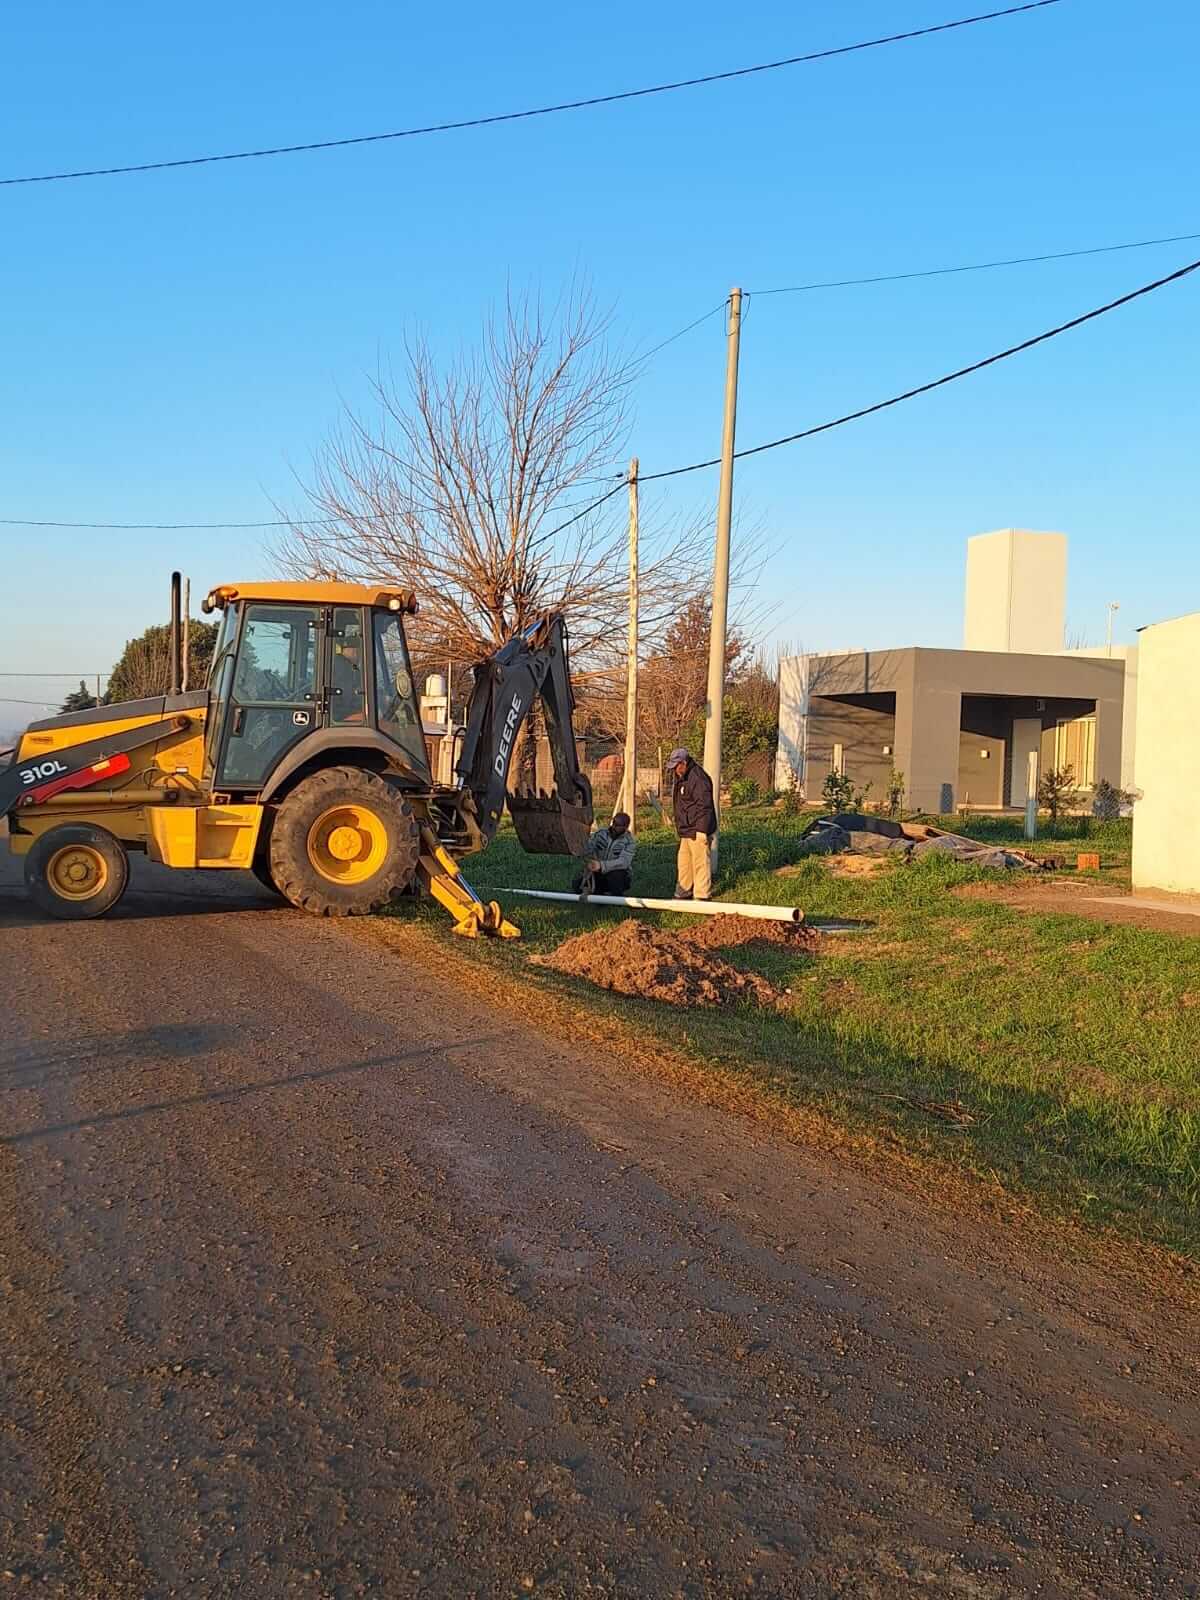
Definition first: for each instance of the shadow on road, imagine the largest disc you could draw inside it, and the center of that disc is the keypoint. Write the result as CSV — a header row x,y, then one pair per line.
x,y
239,1091
18,911
50,1060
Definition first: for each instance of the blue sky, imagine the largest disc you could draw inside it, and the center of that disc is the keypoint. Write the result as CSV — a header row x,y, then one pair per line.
x,y
175,344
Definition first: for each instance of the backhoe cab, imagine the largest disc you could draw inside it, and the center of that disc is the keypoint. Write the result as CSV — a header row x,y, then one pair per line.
x,y
304,760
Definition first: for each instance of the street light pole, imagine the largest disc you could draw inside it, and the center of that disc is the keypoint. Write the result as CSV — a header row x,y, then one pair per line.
x,y
1113,605
720,591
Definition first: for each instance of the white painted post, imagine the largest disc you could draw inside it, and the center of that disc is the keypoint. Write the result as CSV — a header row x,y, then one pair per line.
x,y
1031,803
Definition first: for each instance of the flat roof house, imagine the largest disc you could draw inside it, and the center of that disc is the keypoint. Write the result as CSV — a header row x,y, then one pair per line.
x,y
960,724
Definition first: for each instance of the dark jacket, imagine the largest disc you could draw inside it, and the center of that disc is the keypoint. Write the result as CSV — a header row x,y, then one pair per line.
x,y
692,803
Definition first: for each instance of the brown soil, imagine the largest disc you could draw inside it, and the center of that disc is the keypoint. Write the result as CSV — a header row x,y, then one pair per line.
x,y
843,866
1096,900
723,933
633,958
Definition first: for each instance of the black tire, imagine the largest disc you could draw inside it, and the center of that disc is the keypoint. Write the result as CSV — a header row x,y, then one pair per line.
x,y
314,858
76,871
261,868
261,865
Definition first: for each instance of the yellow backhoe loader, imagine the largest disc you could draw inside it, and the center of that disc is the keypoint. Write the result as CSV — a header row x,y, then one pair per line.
x,y
303,761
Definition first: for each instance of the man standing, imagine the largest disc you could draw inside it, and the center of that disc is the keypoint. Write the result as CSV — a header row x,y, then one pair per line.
x,y
609,859
695,823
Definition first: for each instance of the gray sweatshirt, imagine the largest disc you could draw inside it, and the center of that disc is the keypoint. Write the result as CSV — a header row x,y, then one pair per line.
x,y
611,850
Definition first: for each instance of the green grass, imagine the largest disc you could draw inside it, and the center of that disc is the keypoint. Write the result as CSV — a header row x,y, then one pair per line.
x,y
1064,838
1072,1045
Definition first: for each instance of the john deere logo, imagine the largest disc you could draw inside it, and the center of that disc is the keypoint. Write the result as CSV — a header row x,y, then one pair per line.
x,y
507,737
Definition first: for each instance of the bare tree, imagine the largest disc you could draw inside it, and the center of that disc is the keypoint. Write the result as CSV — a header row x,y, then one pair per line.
x,y
674,678
490,486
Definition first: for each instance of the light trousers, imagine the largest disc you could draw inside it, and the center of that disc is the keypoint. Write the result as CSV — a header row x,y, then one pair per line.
x,y
694,867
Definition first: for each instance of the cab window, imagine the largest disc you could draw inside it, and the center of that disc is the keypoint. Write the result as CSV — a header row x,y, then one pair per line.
x,y
277,659
220,680
274,699
347,671
395,696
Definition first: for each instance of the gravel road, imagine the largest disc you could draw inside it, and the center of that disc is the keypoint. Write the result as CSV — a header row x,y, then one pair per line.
x,y
320,1278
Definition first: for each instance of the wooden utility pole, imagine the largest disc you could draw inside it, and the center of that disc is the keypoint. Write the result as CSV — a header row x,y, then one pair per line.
x,y
720,593
629,787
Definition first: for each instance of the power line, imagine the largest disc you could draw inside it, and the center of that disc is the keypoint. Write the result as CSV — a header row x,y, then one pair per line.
x,y
169,527
798,288
579,516
936,383
103,674
164,527
536,111
977,266
806,433
654,349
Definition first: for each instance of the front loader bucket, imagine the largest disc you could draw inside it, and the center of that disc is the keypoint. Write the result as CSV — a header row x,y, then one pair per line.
x,y
549,825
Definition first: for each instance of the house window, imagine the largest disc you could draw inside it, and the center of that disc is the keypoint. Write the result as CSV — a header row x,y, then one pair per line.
x,y
1075,747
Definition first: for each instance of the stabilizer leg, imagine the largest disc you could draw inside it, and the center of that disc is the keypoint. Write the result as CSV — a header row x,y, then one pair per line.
x,y
440,876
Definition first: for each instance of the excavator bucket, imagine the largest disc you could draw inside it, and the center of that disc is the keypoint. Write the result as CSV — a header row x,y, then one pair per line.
x,y
549,825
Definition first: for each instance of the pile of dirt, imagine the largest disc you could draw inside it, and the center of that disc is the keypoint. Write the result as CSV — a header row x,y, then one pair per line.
x,y
724,933
633,958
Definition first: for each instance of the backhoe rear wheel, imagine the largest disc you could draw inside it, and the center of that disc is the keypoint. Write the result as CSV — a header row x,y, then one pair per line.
x,y
76,871
261,868
343,843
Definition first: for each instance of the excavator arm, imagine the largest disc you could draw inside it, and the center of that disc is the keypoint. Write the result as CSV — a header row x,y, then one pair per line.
x,y
532,665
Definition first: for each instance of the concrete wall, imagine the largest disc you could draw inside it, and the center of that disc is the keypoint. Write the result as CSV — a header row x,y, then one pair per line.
x,y
793,707
803,679
1166,839
1016,593
864,726
1127,654
980,769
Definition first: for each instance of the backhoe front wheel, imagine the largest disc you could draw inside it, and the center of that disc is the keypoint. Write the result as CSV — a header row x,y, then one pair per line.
x,y
76,871
343,843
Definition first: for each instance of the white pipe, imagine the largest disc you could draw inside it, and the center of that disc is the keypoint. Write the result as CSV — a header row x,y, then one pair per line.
x,y
698,908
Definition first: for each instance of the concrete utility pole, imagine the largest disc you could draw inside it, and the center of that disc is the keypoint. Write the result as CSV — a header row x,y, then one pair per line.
x,y
720,590
631,682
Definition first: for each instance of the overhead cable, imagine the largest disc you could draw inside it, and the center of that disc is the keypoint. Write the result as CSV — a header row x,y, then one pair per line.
x,y
936,383
534,111
975,266
790,438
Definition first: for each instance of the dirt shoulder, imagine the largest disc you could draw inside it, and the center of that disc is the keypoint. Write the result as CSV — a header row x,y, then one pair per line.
x,y
1133,1270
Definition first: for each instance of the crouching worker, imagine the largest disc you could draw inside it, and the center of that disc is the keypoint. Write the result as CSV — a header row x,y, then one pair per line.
x,y
609,860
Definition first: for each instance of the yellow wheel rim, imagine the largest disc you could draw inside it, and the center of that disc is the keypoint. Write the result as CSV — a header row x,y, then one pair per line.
x,y
348,844
77,872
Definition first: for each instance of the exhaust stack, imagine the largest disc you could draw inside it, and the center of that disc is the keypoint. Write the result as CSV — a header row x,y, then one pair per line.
x,y
176,645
